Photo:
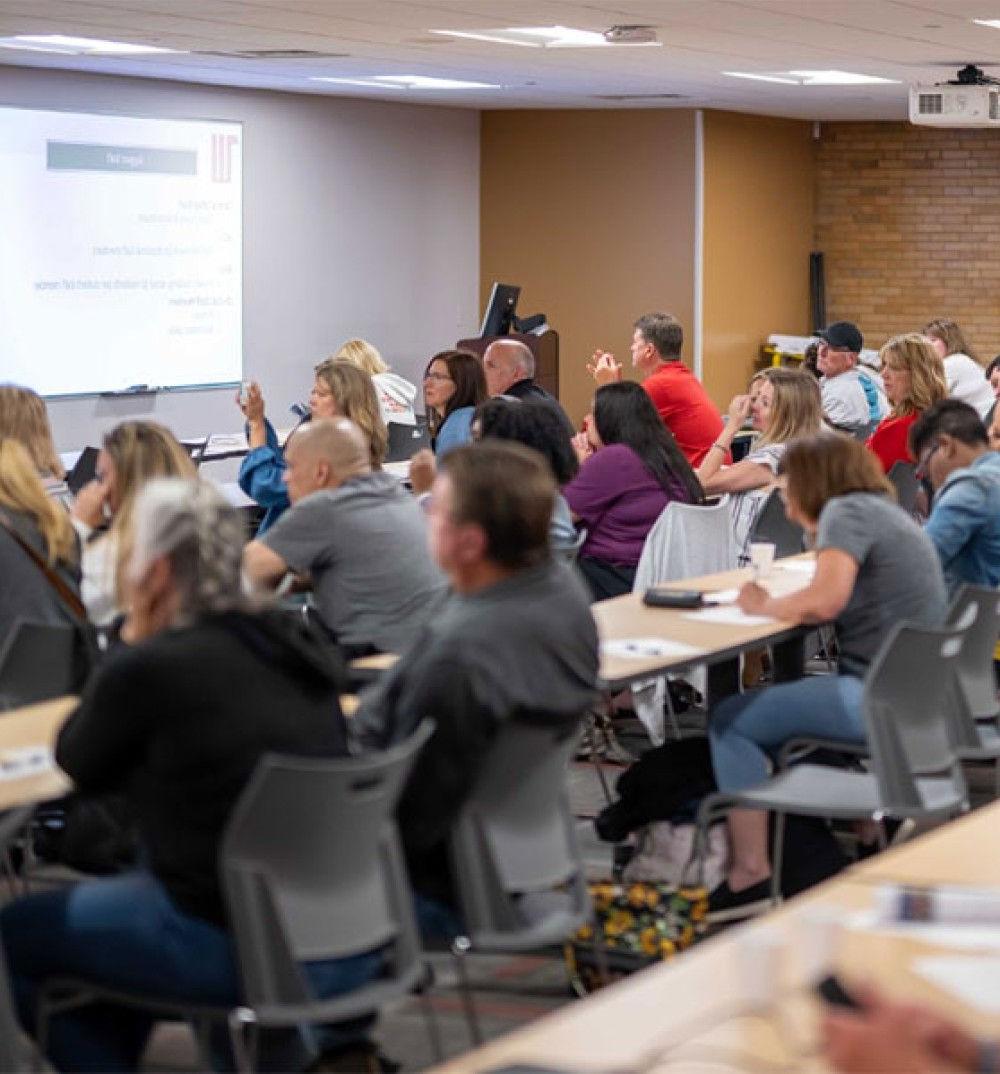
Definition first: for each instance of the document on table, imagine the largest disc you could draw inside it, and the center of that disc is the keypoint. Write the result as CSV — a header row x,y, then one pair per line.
x,y
641,648
25,761
728,616
958,936
972,979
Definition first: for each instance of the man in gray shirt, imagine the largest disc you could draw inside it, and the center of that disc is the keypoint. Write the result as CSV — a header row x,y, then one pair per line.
x,y
851,401
360,536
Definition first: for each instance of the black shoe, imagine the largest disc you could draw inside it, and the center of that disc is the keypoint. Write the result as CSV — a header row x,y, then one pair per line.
x,y
724,904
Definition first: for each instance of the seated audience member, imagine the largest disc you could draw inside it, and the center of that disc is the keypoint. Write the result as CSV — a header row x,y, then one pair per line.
x,y
786,407
454,385
30,519
133,453
677,394
874,569
884,1036
179,718
810,358
952,450
360,536
509,366
536,426
962,372
851,401
515,637
993,375
993,430
340,389
23,417
914,380
630,469
395,394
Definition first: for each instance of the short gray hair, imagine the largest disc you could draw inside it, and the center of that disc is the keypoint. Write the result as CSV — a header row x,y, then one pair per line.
x,y
190,523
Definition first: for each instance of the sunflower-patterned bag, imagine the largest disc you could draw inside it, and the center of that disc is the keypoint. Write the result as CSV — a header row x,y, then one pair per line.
x,y
639,924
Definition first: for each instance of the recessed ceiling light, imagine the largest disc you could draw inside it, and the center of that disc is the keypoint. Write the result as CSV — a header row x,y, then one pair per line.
x,y
993,24
495,38
409,82
76,46
814,78
546,37
763,78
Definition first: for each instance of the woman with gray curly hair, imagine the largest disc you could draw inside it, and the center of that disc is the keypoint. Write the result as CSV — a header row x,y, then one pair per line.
x,y
178,718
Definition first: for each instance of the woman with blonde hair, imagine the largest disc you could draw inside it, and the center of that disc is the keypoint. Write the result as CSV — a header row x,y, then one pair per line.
x,y
30,519
785,405
23,417
913,374
962,369
875,568
395,394
340,389
132,454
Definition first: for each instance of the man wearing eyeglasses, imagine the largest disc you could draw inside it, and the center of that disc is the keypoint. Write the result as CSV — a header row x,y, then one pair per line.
x,y
851,401
949,442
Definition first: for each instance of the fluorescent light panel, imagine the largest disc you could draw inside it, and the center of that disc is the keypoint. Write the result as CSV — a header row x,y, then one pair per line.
x,y
408,82
61,43
814,78
763,78
545,37
993,24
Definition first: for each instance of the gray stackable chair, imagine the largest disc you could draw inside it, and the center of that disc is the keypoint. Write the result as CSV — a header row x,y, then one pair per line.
x,y
312,869
915,770
774,525
36,664
515,859
903,476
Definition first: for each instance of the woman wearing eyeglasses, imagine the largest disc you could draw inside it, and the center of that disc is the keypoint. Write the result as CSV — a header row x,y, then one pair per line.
x,y
454,385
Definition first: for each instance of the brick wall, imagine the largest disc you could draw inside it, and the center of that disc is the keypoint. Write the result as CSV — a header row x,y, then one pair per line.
x,y
909,221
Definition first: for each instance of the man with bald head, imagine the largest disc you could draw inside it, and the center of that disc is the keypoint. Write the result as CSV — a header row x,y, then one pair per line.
x,y
510,370
358,533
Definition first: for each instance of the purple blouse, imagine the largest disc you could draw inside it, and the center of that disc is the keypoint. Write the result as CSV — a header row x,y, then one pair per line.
x,y
618,500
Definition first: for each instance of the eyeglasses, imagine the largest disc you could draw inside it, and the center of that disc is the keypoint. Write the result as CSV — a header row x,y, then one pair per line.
x,y
921,471
436,376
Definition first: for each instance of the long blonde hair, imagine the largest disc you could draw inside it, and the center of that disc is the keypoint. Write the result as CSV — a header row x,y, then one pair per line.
x,y
23,417
951,336
140,451
355,397
361,353
796,409
927,384
21,490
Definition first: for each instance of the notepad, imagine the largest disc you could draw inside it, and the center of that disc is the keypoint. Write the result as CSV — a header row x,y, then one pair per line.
x,y
728,616
643,648
958,936
974,980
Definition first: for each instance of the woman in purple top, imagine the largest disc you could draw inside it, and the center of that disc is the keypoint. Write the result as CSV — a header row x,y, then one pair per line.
x,y
630,469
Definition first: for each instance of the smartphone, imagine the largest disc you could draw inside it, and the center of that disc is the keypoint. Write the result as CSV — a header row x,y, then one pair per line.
x,y
833,993
673,598
244,393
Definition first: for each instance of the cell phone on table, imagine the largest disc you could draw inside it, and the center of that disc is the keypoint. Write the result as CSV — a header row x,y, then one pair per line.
x,y
832,992
673,598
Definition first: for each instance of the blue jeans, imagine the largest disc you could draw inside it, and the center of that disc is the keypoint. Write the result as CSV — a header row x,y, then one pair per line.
x,y
126,933
747,728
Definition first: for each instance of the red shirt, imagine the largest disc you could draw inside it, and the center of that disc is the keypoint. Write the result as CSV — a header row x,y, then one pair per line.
x,y
890,441
685,408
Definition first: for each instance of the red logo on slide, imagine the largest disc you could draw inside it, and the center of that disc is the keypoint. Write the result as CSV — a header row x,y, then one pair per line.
x,y
222,157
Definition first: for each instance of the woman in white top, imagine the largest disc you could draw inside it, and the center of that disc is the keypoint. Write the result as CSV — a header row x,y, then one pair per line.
x,y
395,395
786,405
965,376
132,454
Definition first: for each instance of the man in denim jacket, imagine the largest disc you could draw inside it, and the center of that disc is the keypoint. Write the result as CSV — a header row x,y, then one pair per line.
x,y
949,442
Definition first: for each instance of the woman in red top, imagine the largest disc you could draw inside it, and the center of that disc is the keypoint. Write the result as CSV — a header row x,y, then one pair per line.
x,y
914,379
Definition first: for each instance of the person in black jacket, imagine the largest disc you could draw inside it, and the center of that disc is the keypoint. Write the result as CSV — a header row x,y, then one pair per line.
x,y
509,366
177,720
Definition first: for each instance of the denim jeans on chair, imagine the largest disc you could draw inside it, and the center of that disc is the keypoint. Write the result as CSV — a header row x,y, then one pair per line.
x,y
744,730
126,932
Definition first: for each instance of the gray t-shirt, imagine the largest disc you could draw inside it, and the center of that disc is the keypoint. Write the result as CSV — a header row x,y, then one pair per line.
x,y
365,545
899,573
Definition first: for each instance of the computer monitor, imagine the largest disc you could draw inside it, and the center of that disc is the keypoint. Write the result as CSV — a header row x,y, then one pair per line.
x,y
499,317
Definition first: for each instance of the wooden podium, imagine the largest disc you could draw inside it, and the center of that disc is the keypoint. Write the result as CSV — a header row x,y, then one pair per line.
x,y
545,348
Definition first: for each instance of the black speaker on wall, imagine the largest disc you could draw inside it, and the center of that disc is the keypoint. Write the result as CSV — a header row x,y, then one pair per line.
x,y
817,291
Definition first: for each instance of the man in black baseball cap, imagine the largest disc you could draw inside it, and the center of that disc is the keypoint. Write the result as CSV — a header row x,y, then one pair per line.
x,y
850,402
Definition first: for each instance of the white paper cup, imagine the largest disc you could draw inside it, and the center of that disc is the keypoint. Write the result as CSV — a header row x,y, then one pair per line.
x,y
761,558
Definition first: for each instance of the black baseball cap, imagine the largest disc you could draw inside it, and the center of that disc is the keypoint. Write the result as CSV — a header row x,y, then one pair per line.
x,y
844,336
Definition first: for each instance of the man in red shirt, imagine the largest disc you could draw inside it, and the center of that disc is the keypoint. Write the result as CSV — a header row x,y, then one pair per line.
x,y
677,394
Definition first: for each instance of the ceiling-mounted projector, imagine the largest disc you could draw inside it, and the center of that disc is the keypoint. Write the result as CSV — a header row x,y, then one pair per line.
x,y
972,100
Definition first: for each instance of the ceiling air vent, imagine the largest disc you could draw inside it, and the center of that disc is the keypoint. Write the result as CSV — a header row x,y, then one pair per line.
x,y
273,54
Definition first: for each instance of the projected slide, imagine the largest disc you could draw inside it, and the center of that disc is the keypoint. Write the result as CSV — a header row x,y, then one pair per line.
x,y
120,252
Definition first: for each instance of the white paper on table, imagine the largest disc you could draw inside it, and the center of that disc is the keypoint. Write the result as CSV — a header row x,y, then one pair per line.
x,y
640,648
25,761
971,979
798,566
729,616
399,470
961,936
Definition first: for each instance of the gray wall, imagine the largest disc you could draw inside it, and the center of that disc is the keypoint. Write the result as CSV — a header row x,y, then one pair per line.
x,y
360,219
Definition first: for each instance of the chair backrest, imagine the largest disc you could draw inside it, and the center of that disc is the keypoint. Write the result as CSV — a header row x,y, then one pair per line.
x,y
687,540
36,664
903,476
515,834
908,690
406,440
976,609
571,552
774,525
312,868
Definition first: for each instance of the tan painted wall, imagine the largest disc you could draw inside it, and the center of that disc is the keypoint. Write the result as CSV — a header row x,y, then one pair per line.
x,y
758,232
592,213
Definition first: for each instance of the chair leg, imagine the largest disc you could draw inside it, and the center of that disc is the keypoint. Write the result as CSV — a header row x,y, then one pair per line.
x,y
243,1035
430,1016
777,858
595,757
459,949
674,723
